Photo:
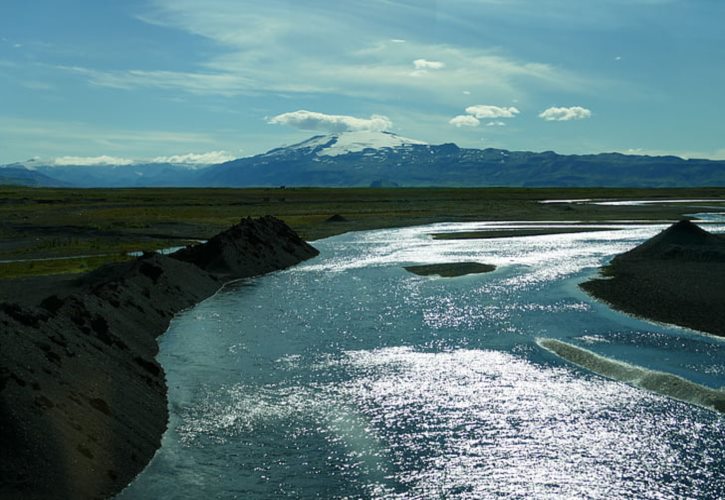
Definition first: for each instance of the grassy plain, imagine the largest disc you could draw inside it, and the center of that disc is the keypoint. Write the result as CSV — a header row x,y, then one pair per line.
x,y
95,226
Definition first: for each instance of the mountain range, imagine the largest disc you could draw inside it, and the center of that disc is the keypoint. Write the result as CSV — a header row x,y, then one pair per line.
x,y
382,159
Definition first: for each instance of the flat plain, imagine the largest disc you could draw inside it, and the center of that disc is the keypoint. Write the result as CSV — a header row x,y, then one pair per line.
x,y
63,231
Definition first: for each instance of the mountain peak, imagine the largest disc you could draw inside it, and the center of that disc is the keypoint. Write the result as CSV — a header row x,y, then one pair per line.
x,y
352,142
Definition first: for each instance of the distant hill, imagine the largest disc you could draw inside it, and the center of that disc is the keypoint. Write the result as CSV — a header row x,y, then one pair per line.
x,y
21,176
38,174
383,159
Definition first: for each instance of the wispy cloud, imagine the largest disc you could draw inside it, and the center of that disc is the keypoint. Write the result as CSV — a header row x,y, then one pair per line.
x,y
49,138
375,75
73,130
311,120
275,48
565,114
207,83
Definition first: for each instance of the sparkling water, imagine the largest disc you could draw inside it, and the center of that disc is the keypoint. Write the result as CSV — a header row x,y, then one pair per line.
x,y
348,377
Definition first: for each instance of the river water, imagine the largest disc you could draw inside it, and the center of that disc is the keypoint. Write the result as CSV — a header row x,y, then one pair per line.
x,y
348,377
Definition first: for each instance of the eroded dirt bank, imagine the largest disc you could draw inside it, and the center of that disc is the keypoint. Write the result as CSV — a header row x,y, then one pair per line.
x,y
82,399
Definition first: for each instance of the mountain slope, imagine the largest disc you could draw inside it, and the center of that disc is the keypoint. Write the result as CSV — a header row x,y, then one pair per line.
x,y
357,159
360,159
38,174
18,175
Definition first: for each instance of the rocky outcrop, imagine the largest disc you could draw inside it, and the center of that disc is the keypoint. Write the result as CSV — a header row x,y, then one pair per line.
x,y
677,277
82,398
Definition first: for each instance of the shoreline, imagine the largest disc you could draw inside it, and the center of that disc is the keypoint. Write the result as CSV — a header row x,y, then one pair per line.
x,y
27,317
83,400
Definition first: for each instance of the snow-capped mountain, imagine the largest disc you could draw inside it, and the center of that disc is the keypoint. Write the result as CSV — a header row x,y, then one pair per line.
x,y
350,142
386,159
344,159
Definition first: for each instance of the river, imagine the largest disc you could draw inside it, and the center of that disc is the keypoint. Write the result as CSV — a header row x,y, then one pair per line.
x,y
348,377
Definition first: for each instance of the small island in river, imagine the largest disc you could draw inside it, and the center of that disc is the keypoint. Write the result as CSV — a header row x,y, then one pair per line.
x,y
677,277
451,270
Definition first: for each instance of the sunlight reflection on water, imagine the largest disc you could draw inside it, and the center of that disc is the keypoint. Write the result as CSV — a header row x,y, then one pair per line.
x,y
347,377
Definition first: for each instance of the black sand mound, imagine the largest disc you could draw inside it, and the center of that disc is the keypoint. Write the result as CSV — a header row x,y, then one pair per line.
x,y
677,276
683,241
450,270
82,398
336,218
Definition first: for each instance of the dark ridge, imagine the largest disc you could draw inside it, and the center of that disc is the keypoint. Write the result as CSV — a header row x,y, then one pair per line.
x,y
82,398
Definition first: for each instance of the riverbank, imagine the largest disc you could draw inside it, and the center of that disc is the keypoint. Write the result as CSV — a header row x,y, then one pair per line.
x,y
676,277
86,227
82,398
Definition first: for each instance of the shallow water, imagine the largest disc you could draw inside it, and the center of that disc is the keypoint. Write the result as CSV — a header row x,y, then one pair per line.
x,y
347,377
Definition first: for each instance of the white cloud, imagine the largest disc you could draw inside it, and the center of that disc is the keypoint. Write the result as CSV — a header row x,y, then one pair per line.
x,y
91,160
464,121
425,64
210,158
487,111
565,114
496,124
311,120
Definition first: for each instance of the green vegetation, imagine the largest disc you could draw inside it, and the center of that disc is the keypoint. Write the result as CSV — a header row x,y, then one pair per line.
x,y
106,223
57,266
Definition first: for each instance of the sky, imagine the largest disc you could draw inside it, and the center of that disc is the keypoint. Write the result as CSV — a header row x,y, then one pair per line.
x,y
114,82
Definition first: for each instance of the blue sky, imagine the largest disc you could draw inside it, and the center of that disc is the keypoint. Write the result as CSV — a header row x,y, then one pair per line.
x,y
145,79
